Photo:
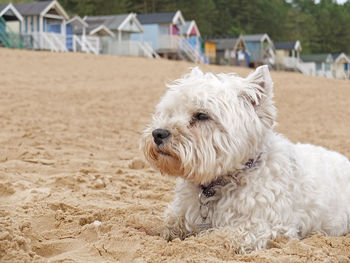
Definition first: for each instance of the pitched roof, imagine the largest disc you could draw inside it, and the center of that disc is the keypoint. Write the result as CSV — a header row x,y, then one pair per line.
x,y
224,43
33,8
340,57
188,27
112,21
156,18
285,45
335,56
253,38
318,58
9,12
40,8
100,28
77,21
123,22
2,6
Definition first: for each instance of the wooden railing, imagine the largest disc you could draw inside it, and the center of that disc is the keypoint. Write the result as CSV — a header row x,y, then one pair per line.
x,y
113,46
47,41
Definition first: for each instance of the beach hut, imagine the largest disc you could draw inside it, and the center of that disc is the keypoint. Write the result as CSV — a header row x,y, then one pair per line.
x,y
164,32
76,38
231,51
191,33
340,66
323,63
288,58
261,50
210,51
10,26
115,32
287,54
44,24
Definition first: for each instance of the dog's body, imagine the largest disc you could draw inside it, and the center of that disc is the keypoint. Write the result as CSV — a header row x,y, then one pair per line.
x,y
240,179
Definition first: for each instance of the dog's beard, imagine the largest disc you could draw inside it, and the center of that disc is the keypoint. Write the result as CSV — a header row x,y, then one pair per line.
x,y
188,156
163,158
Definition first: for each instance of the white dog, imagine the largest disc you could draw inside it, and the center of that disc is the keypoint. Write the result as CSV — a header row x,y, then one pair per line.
x,y
240,179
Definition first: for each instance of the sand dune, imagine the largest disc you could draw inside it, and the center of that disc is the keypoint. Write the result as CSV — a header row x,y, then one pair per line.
x,y
69,131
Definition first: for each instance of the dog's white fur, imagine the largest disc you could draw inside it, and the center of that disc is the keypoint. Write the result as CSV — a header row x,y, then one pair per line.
x,y
293,190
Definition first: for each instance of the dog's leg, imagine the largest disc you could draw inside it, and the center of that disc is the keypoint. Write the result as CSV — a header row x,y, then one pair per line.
x,y
248,238
238,239
176,224
175,227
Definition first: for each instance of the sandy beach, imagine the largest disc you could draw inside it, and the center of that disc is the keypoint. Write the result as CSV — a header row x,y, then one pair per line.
x,y
74,186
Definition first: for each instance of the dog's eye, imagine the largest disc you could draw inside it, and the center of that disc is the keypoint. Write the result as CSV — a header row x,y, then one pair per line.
x,y
201,116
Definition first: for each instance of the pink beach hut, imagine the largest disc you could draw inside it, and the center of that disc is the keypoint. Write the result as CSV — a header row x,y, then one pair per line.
x,y
191,33
164,32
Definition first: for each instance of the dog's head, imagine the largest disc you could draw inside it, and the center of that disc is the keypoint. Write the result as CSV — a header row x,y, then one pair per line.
x,y
209,125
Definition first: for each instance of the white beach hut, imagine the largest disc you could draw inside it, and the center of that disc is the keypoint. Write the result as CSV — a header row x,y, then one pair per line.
x,y
115,34
340,66
44,24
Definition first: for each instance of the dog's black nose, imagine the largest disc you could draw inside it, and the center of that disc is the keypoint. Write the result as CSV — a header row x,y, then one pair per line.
x,y
159,135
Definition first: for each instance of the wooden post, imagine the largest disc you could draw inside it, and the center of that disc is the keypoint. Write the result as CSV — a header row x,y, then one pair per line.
x,y
74,44
41,30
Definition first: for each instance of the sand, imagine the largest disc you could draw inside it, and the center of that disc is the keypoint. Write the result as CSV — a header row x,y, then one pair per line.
x,y
69,131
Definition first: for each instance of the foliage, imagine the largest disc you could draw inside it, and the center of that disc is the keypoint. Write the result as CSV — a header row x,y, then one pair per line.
x,y
322,28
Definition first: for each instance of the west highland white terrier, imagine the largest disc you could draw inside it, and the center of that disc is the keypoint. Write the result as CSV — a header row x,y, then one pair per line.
x,y
239,179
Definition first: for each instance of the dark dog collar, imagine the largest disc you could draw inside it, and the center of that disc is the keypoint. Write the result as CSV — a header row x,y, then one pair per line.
x,y
209,190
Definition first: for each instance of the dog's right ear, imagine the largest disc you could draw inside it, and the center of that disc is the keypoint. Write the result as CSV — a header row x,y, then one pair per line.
x,y
260,83
258,92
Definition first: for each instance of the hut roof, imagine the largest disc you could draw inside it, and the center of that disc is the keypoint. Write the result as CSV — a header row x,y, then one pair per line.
x,y
285,45
112,21
9,12
291,45
161,18
318,58
77,21
231,42
189,26
254,38
37,8
2,6
156,18
225,43
340,57
33,8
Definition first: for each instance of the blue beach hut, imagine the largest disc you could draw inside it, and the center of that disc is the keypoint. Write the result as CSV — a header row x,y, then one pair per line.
x,y
261,50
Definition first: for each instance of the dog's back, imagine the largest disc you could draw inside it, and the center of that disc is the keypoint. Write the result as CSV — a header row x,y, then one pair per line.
x,y
327,186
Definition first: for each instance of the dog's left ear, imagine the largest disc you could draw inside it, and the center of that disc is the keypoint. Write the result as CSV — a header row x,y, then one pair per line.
x,y
259,85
